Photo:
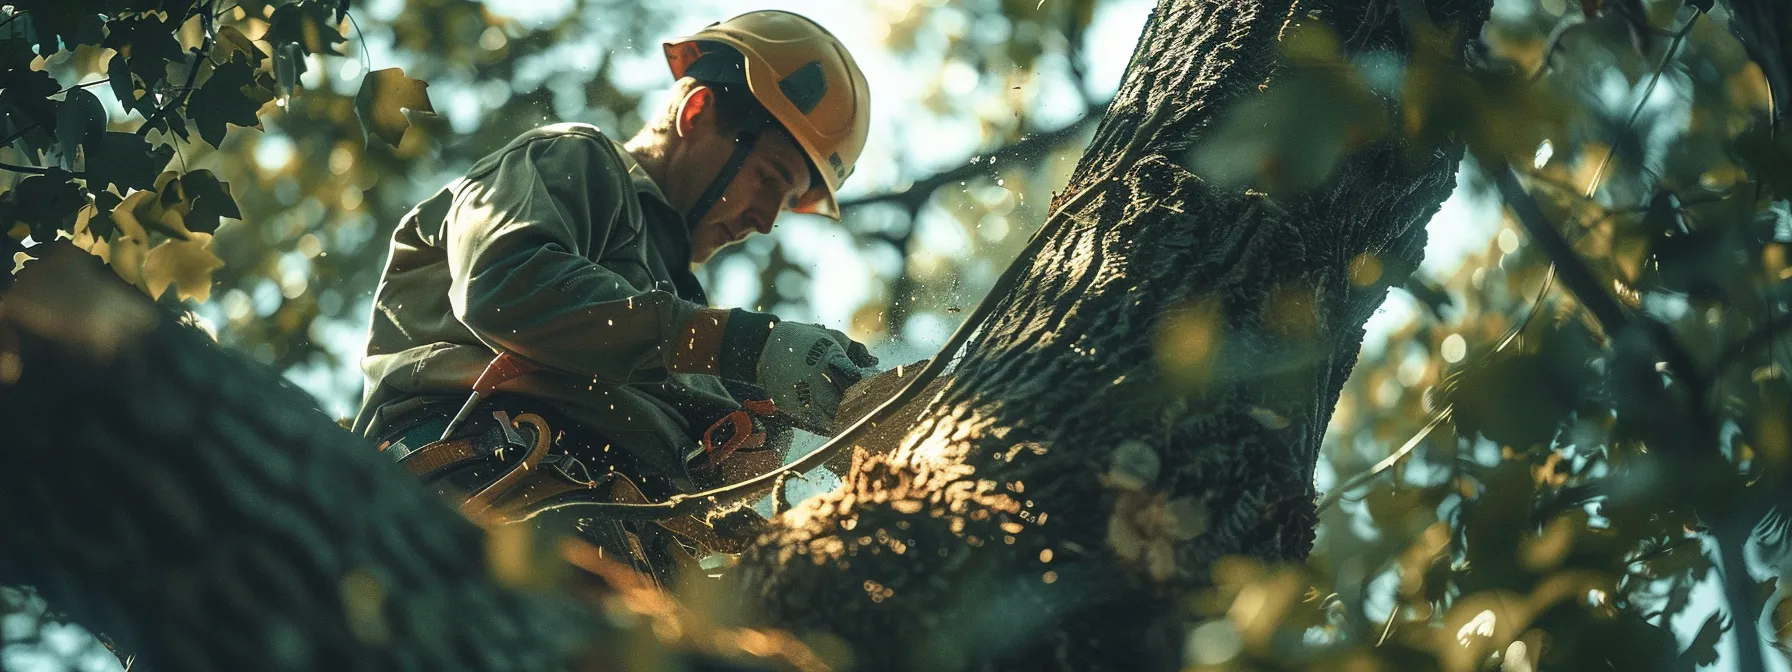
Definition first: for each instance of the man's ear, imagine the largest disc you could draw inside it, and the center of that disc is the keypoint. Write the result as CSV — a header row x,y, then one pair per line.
x,y
696,106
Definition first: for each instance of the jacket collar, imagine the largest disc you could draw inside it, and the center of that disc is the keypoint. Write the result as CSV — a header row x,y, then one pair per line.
x,y
643,182
674,240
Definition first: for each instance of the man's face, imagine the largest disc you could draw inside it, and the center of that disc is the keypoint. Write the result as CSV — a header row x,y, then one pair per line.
x,y
770,179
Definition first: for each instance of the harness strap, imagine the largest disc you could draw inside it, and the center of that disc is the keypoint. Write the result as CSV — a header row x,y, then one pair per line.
x,y
481,502
743,146
440,456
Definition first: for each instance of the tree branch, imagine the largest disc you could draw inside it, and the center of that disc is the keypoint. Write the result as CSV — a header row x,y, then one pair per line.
x,y
1383,466
1030,147
1732,524
84,85
186,90
32,170
1575,275
18,134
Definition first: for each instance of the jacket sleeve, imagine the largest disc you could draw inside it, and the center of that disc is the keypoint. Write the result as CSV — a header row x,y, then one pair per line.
x,y
520,237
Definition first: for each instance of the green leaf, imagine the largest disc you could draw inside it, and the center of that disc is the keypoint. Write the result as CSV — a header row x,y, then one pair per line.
x,y
148,41
173,122
28,92
126,161
101,224
232,42
289,63
231,96
141,213
381,102
1291,137
1521,399
202,199
1703,263
1498,113
80,125
76,23
1769,160
308,24
124,88
47,203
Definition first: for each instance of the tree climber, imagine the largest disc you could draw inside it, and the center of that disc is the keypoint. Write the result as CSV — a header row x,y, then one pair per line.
x,y
567,256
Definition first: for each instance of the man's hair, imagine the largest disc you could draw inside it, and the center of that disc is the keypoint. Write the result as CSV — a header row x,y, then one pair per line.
x,y
733,101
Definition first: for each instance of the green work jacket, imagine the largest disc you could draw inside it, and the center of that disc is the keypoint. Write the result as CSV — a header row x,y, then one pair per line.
x,y
557,247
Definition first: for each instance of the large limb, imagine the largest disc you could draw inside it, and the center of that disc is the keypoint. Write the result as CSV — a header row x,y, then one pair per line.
x,y
207,516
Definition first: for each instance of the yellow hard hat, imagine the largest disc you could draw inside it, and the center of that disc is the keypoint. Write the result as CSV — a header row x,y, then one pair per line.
x,y
806,79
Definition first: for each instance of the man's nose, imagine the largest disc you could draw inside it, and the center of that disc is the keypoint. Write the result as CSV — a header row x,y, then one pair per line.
x,y
763,222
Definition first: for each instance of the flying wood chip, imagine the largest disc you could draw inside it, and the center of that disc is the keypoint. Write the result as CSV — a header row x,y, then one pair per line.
x,y
382,100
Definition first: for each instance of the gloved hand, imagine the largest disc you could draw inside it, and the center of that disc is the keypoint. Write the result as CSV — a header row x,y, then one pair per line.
x,y
806,369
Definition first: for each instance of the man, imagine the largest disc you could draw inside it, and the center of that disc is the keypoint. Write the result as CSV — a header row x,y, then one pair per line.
x,y
569,255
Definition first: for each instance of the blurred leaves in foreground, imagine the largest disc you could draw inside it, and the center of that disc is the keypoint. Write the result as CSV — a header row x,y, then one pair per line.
x,y
1563,501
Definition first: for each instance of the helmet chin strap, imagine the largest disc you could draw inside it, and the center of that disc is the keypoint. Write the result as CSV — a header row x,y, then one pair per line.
x,y
743,146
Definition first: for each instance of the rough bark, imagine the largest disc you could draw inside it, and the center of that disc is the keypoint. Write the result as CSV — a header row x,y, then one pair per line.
x,y
1011,529
204,515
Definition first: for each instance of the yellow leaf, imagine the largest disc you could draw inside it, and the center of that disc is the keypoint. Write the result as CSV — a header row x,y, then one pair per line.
x,y
98,248
186,264
127,258
1749,89
125,215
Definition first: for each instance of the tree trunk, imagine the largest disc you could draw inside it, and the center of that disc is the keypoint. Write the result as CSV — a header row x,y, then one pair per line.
x,y
1150,398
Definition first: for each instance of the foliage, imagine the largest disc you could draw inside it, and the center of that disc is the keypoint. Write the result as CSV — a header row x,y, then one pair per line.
x,y
1572,490
1567,497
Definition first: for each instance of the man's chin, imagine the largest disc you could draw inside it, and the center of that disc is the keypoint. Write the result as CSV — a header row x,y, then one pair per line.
x,y
702,251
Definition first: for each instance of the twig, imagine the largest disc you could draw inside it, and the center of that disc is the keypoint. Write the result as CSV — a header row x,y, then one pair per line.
x,y
1388,627
1666,57
1579,279
1385,464
186,90
360,41
1553,43
1033,144
18,134
32,170
84,85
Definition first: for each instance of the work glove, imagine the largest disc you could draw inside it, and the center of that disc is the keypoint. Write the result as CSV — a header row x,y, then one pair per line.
x,y
806,369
